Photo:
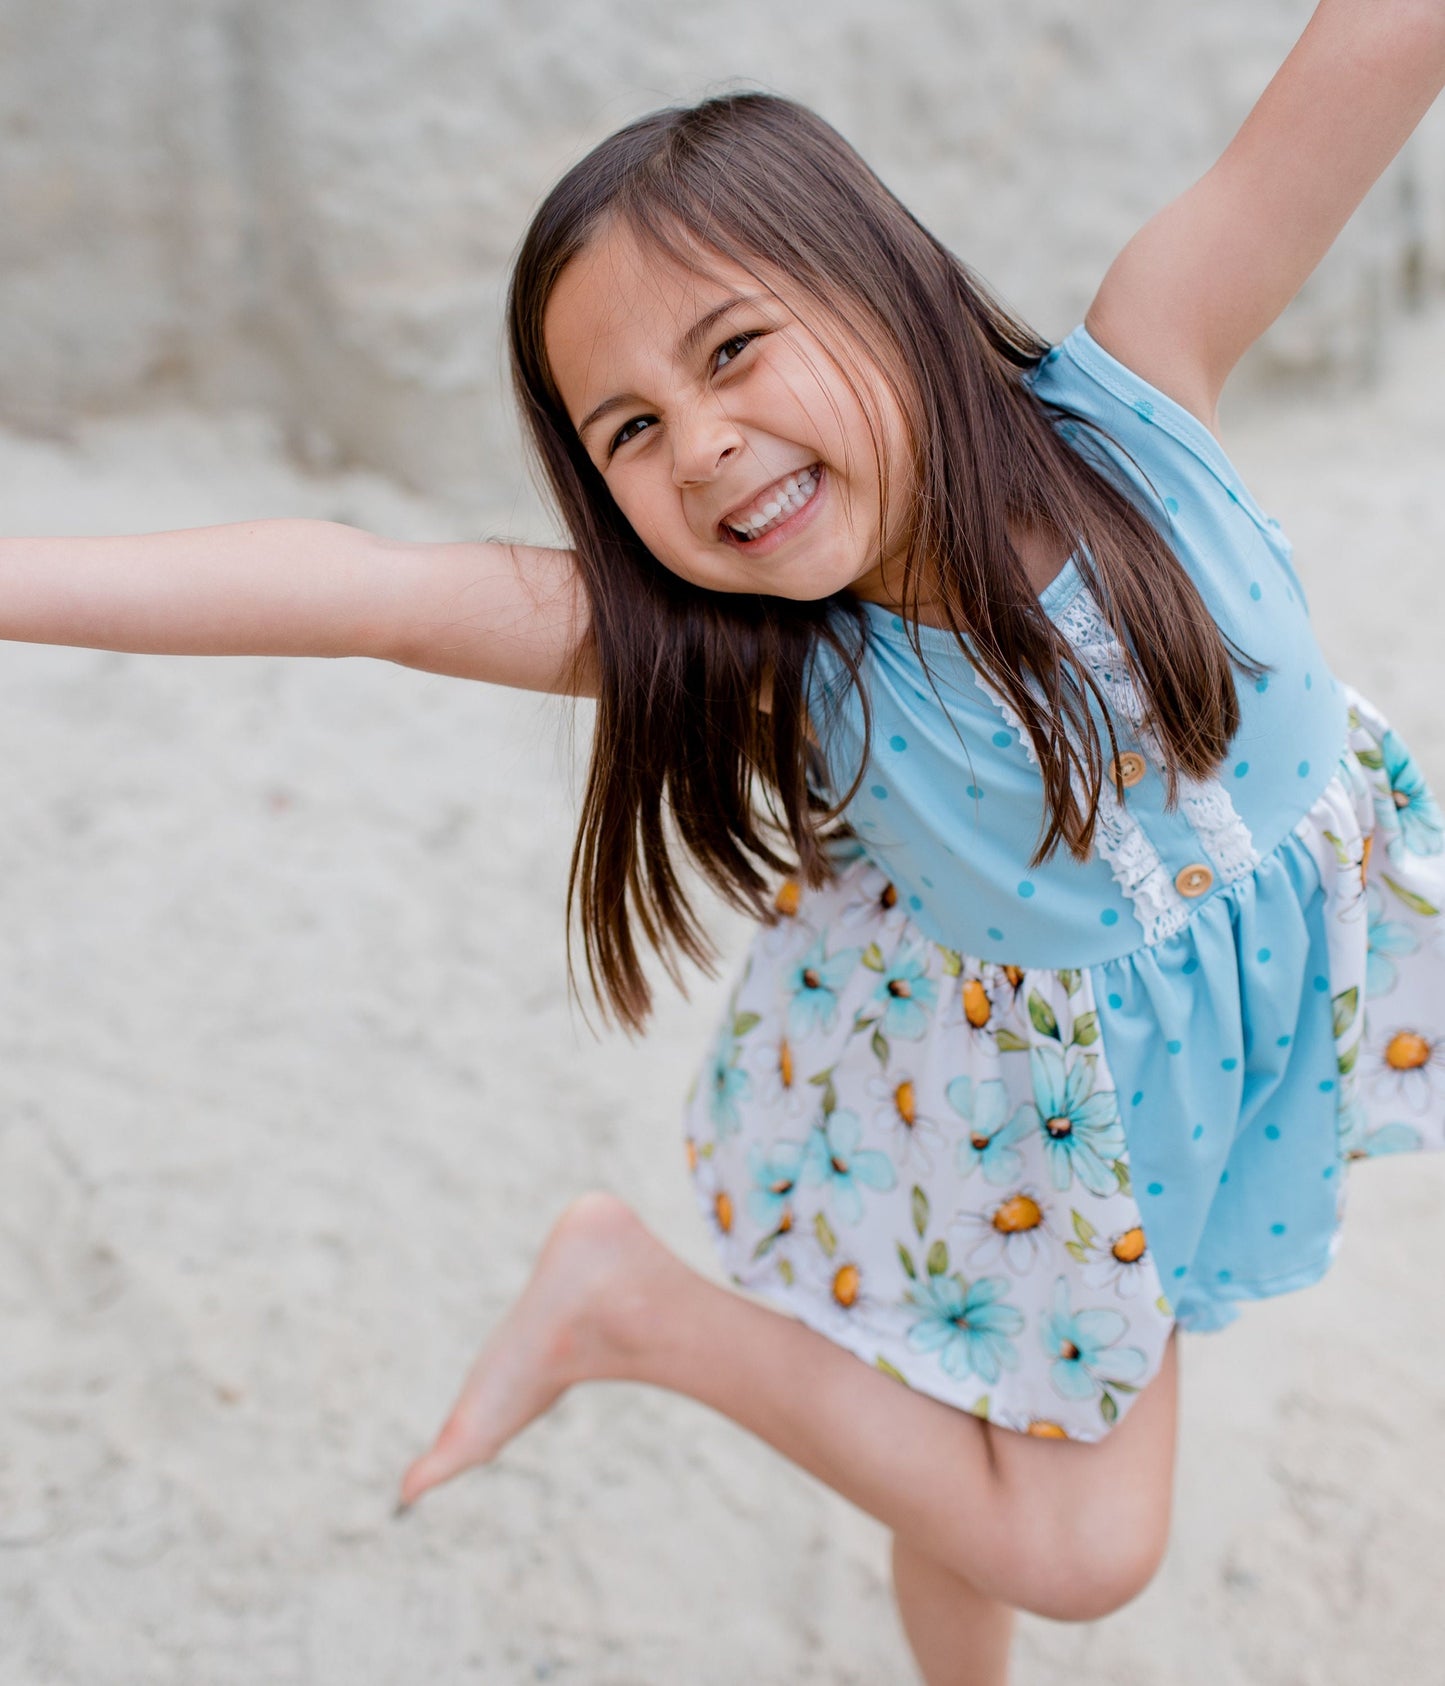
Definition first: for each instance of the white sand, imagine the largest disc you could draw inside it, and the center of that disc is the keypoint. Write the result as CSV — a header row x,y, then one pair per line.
x,y
290,1092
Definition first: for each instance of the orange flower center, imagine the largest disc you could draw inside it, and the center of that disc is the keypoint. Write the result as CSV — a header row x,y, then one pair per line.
x,y
1060,1126
976,1004
889,897
1017,1213
1129,1248
691,1154
723,1206
785,1063
899,986
903,1100
811,979
1046,1430
788,896
1406,1051
846,1283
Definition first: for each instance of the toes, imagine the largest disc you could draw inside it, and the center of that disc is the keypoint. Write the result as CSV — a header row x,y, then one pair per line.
x,y
455,1450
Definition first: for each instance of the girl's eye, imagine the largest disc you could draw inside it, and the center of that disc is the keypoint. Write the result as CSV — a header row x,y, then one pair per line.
x,y
624,433
732,347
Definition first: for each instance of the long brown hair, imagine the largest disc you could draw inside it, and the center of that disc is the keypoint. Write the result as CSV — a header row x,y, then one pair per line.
x,y
680,737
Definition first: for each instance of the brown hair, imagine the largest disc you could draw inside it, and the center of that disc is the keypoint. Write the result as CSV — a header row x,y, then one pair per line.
x,y
679,733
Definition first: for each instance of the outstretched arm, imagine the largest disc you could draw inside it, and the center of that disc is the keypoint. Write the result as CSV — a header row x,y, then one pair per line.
x,y
509,614
1199,283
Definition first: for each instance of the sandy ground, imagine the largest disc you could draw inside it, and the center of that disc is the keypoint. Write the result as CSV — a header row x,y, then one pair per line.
x,y
290,1092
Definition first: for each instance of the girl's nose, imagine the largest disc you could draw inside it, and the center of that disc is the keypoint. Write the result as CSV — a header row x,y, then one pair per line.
x,y
702,441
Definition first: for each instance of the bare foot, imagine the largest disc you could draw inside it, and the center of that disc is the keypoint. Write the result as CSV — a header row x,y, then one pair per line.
x,y
571,1323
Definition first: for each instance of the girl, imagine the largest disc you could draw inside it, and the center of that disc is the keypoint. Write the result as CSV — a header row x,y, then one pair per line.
x,y
865,577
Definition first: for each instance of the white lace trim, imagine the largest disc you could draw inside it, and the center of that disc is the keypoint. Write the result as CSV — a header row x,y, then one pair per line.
x,y
1119,839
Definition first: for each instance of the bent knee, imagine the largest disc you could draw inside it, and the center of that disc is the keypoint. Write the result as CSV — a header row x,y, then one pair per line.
x,y
1100,1581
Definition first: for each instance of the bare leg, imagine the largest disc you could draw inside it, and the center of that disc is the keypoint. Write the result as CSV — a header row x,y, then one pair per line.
x,y
1020,1519
958,1637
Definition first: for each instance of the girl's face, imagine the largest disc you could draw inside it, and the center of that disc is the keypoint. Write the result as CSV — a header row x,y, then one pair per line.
x,y
743,448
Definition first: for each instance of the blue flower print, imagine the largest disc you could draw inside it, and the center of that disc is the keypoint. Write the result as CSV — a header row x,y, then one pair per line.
x,y
1082,1132
1386,937
832,1156
990,1139
1392,1138
775,1176
1419,816
814,983
1082,1347
728,1084
965,1325
907,993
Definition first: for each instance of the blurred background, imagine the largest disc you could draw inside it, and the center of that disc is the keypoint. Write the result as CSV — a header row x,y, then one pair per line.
x,y
290,1087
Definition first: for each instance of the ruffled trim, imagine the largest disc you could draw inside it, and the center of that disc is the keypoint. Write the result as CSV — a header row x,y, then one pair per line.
x,y
1119,839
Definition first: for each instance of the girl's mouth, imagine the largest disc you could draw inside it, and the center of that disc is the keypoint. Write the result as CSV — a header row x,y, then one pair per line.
x,y
775,510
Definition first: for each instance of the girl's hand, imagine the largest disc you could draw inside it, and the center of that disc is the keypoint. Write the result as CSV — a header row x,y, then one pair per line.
x,y
511,614
1205,277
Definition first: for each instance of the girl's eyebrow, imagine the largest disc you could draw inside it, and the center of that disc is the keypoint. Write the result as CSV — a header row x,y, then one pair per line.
x,y
686,348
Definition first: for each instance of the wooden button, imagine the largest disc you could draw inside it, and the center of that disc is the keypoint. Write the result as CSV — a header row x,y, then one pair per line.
x,y
1129,767
1193,880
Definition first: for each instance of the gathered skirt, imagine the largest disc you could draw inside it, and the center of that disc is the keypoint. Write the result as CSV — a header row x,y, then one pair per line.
x,y
1005,1186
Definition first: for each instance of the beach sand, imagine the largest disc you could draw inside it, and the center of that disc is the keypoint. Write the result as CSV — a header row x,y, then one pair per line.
x,y
290,1091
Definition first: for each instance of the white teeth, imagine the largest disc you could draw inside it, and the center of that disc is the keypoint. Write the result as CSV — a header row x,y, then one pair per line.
x,y
780,502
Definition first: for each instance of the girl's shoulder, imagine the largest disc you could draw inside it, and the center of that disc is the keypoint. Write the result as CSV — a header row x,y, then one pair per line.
x,y
1164,450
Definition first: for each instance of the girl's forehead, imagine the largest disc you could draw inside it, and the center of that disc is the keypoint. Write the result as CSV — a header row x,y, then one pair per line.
x,y
624,299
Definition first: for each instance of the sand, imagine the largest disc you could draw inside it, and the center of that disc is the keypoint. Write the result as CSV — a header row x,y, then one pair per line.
x,y
290,1092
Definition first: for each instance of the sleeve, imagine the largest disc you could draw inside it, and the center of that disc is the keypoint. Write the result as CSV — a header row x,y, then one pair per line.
x,y
1160,445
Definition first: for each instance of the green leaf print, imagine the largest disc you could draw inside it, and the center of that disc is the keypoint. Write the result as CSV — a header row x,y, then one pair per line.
x,y
880,1046
1122,1387
1010,1043
744,1022
766,1243
873,957
980,1408
785,1270
1163,1306
1121,1172
826,1238
1346,1003
1083,1228
1071,978
861,1023
1108,1410
1371,757
919,1202
1076,1252
938,1258
1042,1015
830,1095
952,962
1086,1029
882,1363
905,1258
1416,904
1342,854
706,1150
1346,1061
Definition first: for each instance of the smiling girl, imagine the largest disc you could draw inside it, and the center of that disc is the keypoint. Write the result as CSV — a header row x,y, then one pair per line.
x,y
883,599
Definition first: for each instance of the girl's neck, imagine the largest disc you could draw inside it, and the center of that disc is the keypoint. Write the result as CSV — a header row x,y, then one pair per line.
x,y
1042,553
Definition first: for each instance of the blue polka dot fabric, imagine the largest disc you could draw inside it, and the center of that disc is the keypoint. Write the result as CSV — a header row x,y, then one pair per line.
x,y
998,1128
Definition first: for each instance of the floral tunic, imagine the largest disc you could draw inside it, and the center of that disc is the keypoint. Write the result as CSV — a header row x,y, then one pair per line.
x,y
996,1131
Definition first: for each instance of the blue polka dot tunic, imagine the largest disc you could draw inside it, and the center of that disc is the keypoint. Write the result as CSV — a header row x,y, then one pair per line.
x,y
997,1130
